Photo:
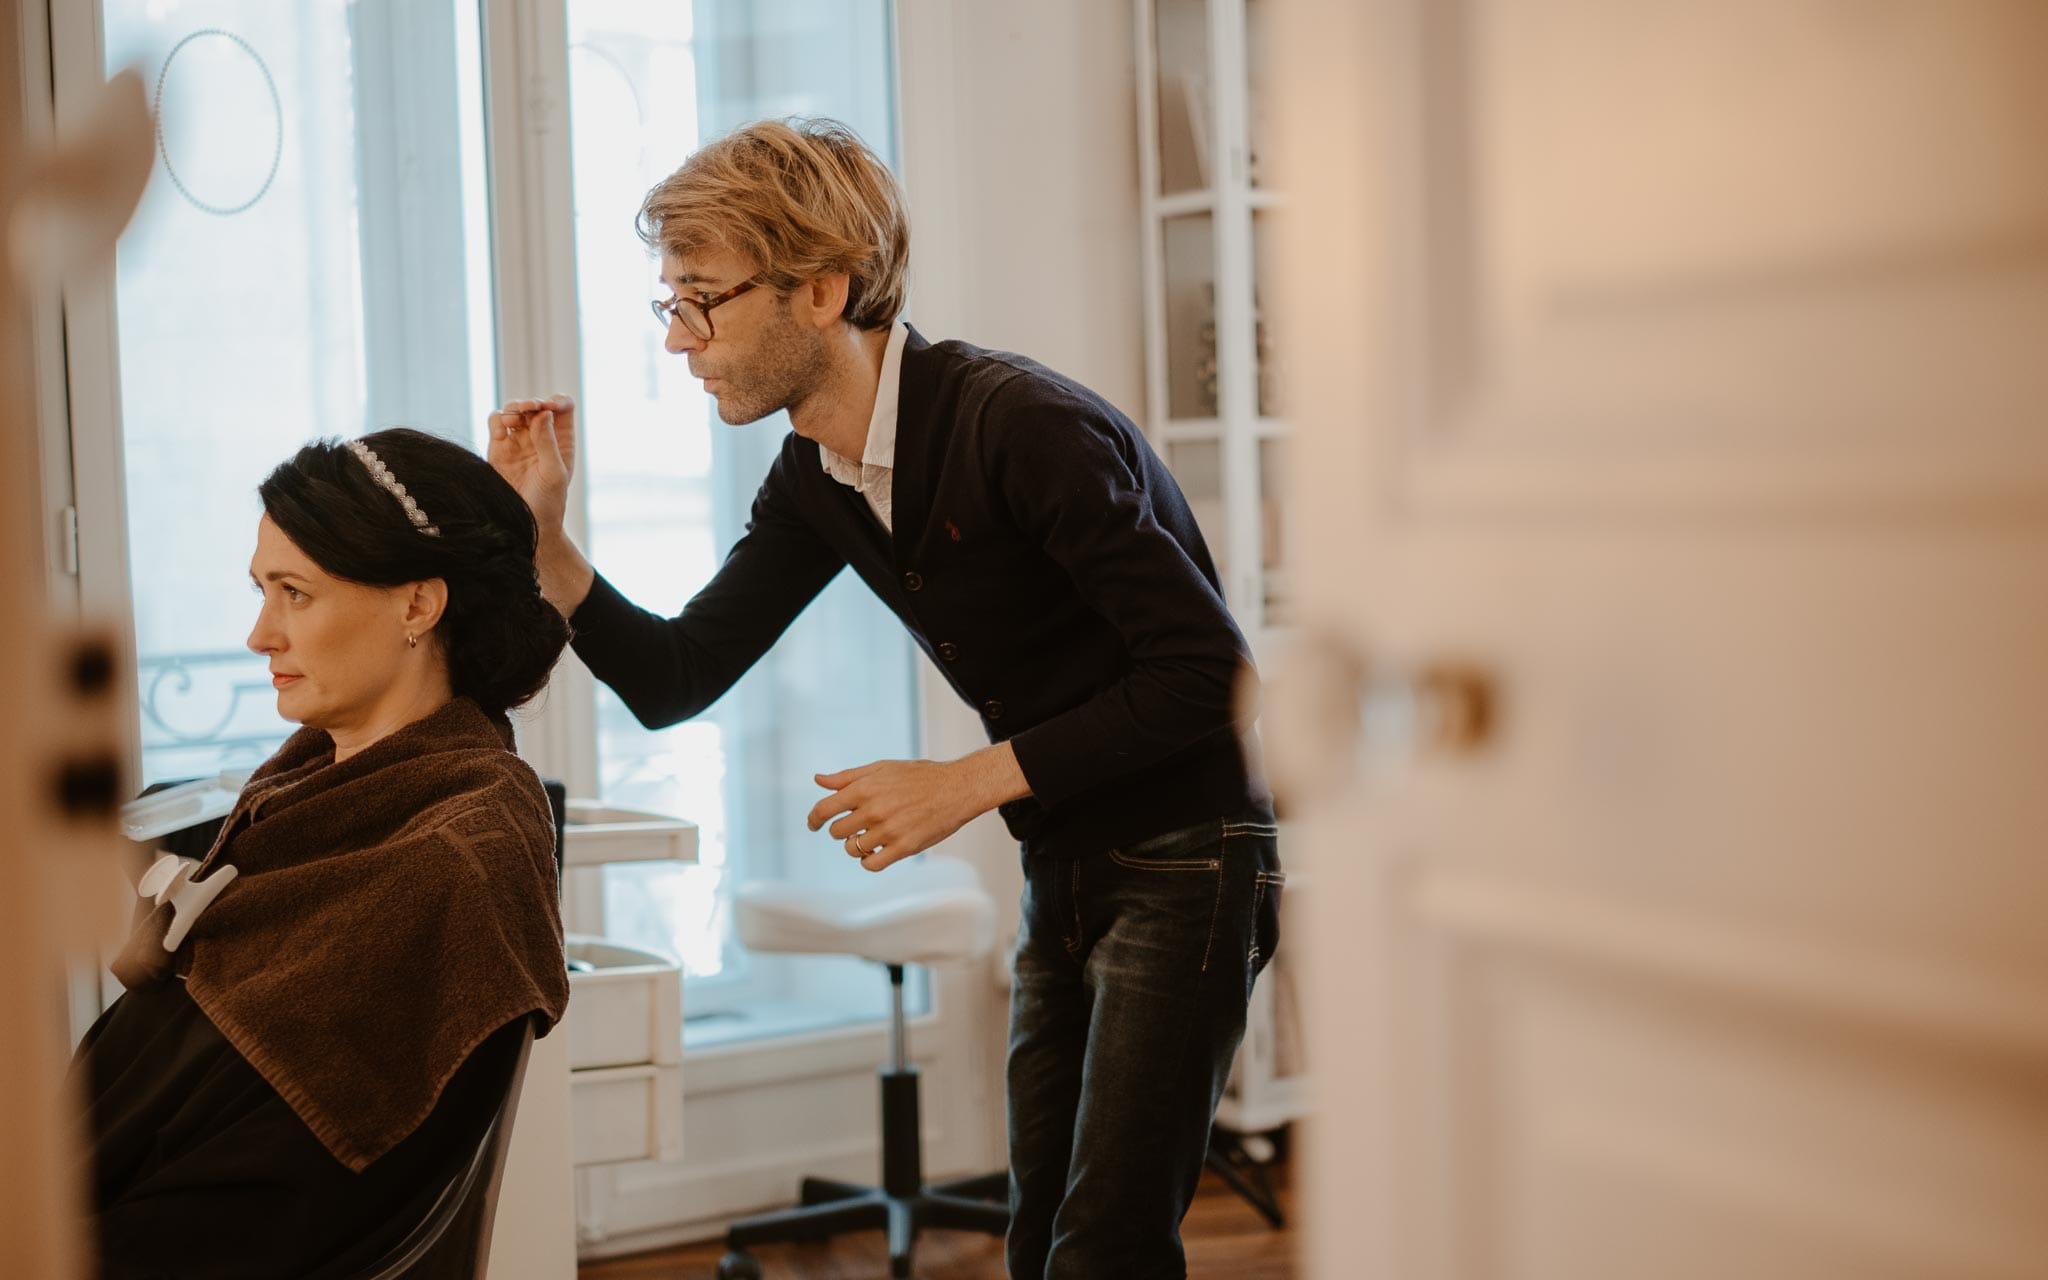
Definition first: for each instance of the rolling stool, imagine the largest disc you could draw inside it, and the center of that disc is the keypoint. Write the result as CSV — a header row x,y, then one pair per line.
x,y
920,911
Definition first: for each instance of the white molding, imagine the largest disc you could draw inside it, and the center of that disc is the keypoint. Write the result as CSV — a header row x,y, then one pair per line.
x,y
533,258
1182,203
1153,211
1176,430
1958,1005
86,364
1236,353
810,1055
43,313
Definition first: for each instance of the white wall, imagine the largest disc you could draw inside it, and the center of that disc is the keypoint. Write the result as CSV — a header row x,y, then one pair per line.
x,y
1020,152
1020,157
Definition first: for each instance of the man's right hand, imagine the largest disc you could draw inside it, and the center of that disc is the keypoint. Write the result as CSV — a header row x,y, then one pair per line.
x,y
533,445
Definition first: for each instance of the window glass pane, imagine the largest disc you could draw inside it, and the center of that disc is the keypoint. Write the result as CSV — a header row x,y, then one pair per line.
x,y
670,487
1271,370
305,262
1181,46
1188,244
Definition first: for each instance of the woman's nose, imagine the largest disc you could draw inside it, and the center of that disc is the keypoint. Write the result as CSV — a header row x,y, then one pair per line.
x,y
263,637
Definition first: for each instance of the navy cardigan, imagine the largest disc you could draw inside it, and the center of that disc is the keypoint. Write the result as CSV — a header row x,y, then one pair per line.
x,y
1044,558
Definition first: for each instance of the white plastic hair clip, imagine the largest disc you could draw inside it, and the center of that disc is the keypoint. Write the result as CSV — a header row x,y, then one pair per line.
x,y
382,475
169,879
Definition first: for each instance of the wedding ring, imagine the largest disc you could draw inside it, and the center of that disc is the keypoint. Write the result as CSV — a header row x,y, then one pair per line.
x,y
858,851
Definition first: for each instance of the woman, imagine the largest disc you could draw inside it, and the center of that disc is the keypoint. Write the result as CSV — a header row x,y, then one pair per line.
x,y
269,1096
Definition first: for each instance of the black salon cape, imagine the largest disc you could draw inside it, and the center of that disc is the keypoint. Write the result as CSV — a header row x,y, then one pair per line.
x,y
198,1170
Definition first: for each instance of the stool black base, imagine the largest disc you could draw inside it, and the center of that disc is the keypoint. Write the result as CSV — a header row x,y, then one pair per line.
x,y
830,1208
902,1206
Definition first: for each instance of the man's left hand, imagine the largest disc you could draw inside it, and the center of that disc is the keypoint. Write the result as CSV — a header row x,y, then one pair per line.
x,y
891,809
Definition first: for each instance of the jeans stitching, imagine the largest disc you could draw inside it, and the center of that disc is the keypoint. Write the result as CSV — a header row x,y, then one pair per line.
x,y
1258,900
1250,829
1163,864
1260,879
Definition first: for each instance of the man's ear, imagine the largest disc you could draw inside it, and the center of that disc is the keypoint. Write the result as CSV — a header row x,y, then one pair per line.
x,y
425,602
824,298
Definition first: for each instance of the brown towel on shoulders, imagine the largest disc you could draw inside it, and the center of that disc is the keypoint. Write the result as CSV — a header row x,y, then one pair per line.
x,y
391,912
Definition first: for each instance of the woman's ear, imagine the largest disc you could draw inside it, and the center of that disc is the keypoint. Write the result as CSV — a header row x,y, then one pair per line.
x,y
424,604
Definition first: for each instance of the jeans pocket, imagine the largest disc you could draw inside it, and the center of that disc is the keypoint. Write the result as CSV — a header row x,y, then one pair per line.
x,y
1196,848
1167,895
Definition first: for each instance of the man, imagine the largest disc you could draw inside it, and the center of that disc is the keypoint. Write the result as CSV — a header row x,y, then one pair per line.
x,y
1039,551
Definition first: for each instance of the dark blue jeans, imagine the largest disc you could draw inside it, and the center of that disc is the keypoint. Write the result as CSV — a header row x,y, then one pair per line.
x,y
1133,970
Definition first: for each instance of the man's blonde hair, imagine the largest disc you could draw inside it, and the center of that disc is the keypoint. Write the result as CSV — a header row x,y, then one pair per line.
x,y
799,198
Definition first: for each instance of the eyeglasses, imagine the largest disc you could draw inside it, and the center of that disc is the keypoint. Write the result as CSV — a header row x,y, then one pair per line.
x,y
695,315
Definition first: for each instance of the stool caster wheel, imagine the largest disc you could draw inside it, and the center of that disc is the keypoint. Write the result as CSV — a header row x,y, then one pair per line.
x,y
739,1265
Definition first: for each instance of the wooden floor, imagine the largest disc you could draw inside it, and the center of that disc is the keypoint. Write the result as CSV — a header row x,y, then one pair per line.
x,y
1225,1238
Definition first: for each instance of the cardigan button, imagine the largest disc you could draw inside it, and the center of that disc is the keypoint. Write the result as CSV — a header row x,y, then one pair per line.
x,y
992,709
913,581
949,652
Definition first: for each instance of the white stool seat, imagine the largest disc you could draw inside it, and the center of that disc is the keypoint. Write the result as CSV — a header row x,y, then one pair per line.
x,y
923,911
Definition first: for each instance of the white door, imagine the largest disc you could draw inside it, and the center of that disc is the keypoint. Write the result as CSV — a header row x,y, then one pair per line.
x,y
1682,365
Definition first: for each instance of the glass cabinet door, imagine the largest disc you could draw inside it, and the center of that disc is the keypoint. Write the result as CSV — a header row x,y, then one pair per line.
x,y
1184,95
1188,276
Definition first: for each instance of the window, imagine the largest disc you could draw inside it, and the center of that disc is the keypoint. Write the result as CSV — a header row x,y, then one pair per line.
x,y
312,258
670,487
307,261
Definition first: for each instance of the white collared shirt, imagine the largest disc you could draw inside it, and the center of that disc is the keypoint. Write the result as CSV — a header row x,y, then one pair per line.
x,y
873,477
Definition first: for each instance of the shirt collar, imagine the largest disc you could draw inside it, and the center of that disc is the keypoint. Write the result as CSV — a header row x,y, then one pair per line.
x,y
881,446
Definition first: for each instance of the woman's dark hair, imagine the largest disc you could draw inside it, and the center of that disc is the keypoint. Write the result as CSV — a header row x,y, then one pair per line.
x,y
500,635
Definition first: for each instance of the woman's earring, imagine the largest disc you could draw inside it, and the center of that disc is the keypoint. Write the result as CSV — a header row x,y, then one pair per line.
x,y
411,641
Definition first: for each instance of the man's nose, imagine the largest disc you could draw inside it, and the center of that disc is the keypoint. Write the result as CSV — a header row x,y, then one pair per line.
x,y
680,340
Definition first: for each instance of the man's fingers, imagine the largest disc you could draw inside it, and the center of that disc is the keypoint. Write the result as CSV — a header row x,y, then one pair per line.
x,y
842,797
828,808
835,781
863,845
508,420
886,856
851,823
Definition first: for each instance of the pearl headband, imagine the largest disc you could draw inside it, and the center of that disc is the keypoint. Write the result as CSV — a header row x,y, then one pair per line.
x,y
382,475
